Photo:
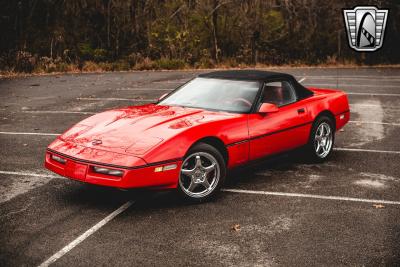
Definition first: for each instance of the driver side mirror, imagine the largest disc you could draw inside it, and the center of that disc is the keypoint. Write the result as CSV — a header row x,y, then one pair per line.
x,y
268,108
161,97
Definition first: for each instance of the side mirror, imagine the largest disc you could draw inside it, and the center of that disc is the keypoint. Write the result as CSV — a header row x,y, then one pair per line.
x,y
161,97
268,108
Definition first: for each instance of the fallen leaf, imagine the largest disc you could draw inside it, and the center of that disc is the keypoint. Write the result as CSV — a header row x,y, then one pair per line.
x,y
378,206
235,227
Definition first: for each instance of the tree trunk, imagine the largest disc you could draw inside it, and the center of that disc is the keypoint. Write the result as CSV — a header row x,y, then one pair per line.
x,y
51,47
214,23
109,23
133,16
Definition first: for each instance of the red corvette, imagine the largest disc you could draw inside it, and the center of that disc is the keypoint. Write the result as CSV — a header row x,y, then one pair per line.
x,y
193,135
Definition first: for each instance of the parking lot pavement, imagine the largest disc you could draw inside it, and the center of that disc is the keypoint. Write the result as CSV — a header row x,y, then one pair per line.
x,y
373,177
37,223
272,231
286,212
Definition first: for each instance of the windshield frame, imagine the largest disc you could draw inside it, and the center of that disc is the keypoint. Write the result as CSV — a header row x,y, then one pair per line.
x,y
251,110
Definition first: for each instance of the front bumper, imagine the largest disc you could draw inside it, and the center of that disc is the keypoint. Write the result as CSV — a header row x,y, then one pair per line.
x,y
150,175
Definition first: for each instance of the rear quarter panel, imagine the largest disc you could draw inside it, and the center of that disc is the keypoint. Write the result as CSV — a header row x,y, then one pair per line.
x,y
334,101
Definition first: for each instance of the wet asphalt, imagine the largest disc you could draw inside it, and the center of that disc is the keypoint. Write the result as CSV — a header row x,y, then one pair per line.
x,y
40,212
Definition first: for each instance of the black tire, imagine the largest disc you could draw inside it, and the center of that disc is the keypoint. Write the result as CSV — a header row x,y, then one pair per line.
x,y
311,147
208,155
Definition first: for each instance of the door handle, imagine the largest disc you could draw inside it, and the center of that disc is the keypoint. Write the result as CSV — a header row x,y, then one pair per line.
x,y
301,110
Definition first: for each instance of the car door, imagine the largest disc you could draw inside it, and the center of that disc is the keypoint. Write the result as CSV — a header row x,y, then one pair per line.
x,y
282,130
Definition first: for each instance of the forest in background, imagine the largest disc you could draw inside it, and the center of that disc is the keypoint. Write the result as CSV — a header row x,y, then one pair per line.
x,y
93,35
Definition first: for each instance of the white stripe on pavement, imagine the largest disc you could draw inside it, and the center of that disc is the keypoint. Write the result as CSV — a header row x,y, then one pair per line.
x,y
365,105
376,122
85,235
371,94
372,77
350,85
373,106
177,81
28,174
144,89
22,133
302,79
268,193
23,182
366,150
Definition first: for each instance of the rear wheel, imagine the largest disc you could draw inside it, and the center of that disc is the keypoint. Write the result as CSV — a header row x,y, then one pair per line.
x,y
322,139
202,173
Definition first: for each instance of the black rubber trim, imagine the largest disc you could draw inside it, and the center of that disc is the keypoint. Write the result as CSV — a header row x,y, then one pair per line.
x,y
112,165
237,143
268,134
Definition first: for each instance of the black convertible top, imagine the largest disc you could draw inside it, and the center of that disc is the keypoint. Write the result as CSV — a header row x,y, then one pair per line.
x,y
258,75
248,75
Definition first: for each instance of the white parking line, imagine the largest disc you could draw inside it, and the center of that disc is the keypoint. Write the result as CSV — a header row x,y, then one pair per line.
x,y
366,105
28,174
22,133
375,122
57,112
115,99
366,150
86,234
302,79
144,89
22,182
351,85
372,94
268,193
373,106
177,81
372,77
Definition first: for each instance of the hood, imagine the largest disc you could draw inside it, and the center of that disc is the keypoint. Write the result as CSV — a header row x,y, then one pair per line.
x,y
135,130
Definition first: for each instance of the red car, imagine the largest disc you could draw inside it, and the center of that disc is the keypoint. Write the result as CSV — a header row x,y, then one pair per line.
x,y
193,135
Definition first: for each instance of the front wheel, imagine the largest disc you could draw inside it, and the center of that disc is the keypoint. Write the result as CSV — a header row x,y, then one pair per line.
x,y
322,139
202,173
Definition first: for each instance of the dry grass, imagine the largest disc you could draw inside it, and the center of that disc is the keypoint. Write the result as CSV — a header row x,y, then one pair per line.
x,y
148,65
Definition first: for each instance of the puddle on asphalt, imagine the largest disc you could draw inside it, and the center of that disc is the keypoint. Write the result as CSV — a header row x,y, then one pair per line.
x,y
371,183
368,110
375,180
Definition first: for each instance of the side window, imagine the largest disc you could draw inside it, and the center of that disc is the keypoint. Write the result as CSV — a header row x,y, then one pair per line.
x,y
279,93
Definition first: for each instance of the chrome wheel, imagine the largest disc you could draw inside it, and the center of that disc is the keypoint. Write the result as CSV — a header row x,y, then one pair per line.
x,y
323,140
199,176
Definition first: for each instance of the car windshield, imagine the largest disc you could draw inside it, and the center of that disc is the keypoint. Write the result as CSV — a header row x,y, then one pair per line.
x,y
215,94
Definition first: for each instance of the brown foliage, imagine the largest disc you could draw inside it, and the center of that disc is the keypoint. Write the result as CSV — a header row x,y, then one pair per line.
x,y
41,35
